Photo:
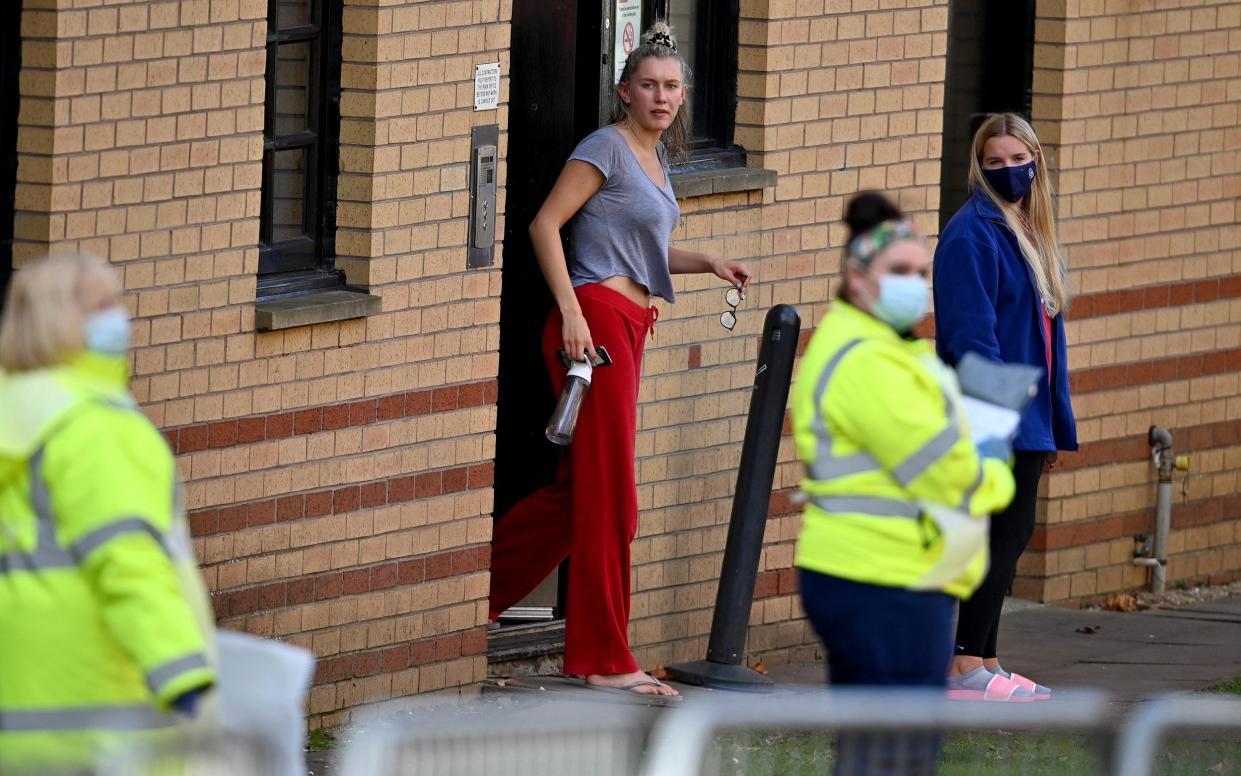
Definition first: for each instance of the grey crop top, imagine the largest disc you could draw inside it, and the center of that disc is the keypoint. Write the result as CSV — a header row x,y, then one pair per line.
x,y
624,229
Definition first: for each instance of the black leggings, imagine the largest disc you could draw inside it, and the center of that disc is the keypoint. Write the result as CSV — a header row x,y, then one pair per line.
x,y
978,621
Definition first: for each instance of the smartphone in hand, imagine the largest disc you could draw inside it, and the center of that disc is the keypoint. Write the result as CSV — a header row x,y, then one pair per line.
x,y
603,358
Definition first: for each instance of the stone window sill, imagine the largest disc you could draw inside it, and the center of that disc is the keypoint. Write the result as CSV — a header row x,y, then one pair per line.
x,y
315,307
723,181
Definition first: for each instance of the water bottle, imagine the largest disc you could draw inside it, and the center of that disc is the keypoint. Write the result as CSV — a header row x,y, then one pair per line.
x,y
564,420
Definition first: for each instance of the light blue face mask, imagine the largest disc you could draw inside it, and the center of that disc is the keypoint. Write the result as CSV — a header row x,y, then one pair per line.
x,y
107,332
903,301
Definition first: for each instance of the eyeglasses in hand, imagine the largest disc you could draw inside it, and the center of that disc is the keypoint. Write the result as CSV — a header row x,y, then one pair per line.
x,y
728,318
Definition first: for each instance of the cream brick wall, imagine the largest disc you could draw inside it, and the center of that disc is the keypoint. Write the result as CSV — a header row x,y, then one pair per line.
x,y
1138,111
337,475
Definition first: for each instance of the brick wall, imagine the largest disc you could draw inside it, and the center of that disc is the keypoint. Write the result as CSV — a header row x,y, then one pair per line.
x,y
338,476
1138,111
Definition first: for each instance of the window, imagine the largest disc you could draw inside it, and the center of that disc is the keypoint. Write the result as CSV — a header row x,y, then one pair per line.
x,y
300,147
706,33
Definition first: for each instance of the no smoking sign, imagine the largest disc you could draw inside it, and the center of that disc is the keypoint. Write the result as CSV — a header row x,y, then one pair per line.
x,y
627,22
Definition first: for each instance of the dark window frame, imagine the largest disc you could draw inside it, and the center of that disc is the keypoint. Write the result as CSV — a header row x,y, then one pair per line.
x,y
714,90
306,262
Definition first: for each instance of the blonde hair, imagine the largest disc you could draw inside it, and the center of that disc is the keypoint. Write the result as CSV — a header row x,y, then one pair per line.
x,y
676,137
42,321
1033,222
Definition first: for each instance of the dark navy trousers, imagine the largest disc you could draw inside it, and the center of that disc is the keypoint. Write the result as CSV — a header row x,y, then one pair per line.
x,y
881,636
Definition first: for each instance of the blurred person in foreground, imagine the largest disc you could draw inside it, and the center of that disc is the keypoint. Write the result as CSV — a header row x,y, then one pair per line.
x,y
876,421
106,634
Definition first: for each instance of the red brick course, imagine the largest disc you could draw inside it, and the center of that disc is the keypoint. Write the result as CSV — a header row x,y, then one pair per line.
x,y
1155,297
397,657
1189,514
329,417
354,581
1135,448
1106,378
342,500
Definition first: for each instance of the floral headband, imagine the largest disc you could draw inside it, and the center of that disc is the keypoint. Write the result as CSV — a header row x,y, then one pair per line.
x,y
868,245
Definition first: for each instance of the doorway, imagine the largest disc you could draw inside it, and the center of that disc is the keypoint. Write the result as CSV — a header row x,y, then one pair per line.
x,y
559,68
990,70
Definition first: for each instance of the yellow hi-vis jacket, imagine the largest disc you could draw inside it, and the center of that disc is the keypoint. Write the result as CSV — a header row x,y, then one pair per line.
x,y
104,619
876,424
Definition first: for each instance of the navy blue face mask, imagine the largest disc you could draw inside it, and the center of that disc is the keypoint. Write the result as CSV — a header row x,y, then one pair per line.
x,y
1012,183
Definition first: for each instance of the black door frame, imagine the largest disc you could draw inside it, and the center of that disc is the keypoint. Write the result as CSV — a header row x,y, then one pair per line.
x,y
555,89
990,69
10,97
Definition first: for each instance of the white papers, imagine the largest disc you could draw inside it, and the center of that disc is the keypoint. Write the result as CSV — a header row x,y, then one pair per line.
x,y
262,689
963,536
989,421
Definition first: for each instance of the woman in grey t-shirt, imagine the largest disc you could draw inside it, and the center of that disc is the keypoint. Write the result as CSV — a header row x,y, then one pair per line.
x,y
616,190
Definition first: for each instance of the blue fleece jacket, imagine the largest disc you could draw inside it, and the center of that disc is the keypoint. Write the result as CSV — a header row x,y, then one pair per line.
x,y
986,301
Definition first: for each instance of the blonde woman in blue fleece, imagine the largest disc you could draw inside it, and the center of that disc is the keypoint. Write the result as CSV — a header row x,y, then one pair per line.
x,y
1001,292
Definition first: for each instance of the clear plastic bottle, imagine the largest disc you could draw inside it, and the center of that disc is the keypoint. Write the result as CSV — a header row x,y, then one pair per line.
x,y
564,420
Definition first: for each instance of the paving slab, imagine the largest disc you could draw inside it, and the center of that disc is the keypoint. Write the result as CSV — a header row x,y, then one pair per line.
x,y
1130,655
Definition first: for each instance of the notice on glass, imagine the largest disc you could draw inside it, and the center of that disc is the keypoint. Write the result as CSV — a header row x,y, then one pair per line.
x,y
487,86
628,31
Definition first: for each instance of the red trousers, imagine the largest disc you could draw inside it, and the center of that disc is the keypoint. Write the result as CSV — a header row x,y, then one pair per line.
x,y
590,513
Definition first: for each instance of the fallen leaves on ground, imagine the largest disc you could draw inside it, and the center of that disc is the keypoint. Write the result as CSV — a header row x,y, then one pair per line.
x,y
661,674
760,668
1121,602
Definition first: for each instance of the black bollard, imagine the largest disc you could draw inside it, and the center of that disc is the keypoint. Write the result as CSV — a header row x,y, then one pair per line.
x,y
724,669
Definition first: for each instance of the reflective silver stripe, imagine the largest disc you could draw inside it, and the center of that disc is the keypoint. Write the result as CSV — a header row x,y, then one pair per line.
x,y
158,677
969,493
47,554
826,465
867,505
96,538
926,456
135,717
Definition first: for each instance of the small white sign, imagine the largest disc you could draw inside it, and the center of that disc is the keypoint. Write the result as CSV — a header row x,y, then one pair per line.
x,y
487,86
628,31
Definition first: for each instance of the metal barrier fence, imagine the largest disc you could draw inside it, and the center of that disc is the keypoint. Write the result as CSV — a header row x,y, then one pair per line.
x,y
551,739
790,733
1181,734
812,731
199,755
883,732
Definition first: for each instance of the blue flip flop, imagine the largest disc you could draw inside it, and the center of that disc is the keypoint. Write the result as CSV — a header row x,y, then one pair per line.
x,y
630,691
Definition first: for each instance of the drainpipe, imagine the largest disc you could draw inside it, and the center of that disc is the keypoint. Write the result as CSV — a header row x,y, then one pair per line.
x,y
1160,440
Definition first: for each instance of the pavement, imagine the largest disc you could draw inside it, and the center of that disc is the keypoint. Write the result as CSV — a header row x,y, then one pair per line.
x,y
1131,656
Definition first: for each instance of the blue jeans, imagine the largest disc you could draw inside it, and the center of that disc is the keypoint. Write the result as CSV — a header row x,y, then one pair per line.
x,y
881,636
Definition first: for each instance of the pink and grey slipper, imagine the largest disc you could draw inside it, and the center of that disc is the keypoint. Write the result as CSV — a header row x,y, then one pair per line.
x,y
1040,692
982,685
